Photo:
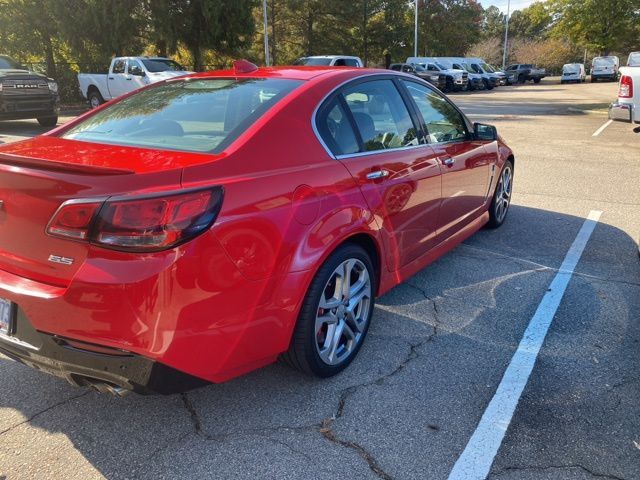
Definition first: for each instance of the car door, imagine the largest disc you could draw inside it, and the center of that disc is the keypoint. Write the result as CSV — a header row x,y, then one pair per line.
x,y
373,132
464,161
118,84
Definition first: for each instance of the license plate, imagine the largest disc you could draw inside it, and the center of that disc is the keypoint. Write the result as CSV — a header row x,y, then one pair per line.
x,y
6,316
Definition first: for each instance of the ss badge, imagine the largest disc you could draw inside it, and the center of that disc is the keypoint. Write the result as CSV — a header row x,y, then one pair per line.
x,y
62,260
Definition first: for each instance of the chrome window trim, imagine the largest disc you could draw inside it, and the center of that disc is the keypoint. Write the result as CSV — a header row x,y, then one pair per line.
x,y
378,152
390,75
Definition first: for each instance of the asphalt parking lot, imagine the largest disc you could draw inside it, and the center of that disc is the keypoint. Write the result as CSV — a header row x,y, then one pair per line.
x,y
436,353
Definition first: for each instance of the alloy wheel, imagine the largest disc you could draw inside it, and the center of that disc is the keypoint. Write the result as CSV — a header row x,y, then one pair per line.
x,y
503,193
343,312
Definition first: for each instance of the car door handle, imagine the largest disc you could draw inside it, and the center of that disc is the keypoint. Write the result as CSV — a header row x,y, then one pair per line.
x,y
448,161
128,78
378,174
111,78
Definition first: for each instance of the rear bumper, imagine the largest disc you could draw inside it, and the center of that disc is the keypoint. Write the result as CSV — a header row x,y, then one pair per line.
x,y
605,76
186,310
83,364
621,112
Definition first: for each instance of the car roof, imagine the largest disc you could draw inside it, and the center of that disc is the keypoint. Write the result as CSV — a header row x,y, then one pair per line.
x,y
287,72
330,56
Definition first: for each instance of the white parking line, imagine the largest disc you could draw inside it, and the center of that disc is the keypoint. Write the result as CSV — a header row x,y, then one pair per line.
x,y
477,457
602,128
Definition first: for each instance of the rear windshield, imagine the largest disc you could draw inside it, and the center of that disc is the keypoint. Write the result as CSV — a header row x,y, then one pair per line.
x,y
312,61
634,60
155,65
604,61
571,68
188,115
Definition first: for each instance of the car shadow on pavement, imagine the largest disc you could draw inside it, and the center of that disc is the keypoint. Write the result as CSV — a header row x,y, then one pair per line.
x,y
436,350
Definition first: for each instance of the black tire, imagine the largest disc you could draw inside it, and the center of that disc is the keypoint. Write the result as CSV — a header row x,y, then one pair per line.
x,y
562,82
593,80
521,79
496,218
536,80
94,98
48,121
303,353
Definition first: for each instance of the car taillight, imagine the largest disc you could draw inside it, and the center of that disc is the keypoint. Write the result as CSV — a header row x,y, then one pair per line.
x,y
626,87
73,219
142,223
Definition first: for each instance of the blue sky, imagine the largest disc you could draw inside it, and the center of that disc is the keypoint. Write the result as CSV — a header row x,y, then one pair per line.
x,y
502,4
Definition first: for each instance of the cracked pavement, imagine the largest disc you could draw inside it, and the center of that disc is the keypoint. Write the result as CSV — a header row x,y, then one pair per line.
x,y
435,353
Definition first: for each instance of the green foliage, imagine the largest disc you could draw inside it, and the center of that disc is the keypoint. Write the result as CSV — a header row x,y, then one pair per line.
x,y
600,25
449,27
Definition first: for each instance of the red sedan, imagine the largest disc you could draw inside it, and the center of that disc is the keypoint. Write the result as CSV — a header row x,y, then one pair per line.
x,y
202,227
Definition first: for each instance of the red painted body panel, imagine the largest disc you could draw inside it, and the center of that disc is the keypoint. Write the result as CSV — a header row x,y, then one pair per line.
x,y
227,301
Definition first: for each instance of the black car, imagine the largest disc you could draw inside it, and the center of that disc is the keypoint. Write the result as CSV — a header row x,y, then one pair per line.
x,y
434,78
25,94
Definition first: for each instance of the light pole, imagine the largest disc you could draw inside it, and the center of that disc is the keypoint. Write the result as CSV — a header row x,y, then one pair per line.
x,y
415,32
506,37
266,34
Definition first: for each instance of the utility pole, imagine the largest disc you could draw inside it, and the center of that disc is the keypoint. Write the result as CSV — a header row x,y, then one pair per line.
x,y
506,37
415,32
267,61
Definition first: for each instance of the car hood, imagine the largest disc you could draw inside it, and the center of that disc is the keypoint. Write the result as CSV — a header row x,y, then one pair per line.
x,y
454,71
55,153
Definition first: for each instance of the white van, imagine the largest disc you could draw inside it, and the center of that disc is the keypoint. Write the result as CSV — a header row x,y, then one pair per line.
x,y
573,72
605,68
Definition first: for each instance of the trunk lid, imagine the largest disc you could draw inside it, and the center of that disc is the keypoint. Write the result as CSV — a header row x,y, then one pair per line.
x,y
37,176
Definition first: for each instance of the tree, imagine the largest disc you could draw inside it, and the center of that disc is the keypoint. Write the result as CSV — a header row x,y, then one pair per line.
x,y
600,25
532,22
489,49
493,23
449,27
30,28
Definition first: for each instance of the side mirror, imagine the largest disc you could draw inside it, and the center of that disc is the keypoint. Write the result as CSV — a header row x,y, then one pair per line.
x,y
137,72
488,133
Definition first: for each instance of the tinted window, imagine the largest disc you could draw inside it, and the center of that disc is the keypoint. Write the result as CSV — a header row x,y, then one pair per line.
x,y
442,122
118,66
381,117
408,68
351,62
396,67
196,115
336,130
312,61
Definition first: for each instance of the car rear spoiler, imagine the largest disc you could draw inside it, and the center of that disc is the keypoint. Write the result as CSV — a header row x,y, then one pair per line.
x,y
42,164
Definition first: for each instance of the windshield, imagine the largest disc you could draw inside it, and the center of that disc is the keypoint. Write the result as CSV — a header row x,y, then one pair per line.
x,y
195,115
468,68
488,68
7,64
156,65
634,60
312,61
419,68
604,61
440,66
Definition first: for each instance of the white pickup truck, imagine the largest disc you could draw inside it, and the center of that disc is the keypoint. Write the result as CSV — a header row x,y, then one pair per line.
x,y
627,107
126,74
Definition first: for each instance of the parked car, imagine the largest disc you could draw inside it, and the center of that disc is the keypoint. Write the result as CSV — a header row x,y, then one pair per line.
x,y
25,94
330,61
437,79
627,106
605,68
633,60
524,72
457,79
479,65
573,72
476,82
204,226
125,75
488,81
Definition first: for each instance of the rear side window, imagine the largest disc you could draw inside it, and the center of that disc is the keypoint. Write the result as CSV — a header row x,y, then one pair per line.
x,y
351,62
188,115
336,129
